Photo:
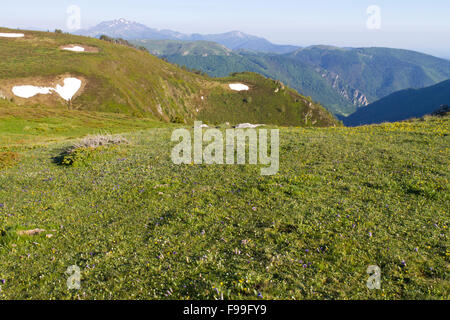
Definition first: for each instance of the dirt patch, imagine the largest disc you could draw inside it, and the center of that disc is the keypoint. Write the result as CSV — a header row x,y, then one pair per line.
x,y
54,99
75,48
8,159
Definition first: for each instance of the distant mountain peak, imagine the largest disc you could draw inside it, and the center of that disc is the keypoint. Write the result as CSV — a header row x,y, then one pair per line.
x,y
118,22
238,34
233,40
124,24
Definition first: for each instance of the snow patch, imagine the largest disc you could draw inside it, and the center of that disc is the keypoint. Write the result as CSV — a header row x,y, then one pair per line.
x,y
70,88
248,126
12,35
30,91
75,49
239,87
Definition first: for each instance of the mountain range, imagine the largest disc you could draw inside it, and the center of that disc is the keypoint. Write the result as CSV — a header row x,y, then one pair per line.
x,y
234,40
342,79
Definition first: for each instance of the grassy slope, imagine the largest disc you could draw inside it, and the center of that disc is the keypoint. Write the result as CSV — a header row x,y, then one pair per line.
x,y
126,80
140,227
28,125
256,105
117,83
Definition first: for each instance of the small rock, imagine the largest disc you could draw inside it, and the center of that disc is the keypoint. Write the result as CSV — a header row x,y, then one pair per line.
x,y
442,111
30,232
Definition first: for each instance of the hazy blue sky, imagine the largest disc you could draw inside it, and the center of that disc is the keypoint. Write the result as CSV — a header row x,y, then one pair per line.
x,y
413,24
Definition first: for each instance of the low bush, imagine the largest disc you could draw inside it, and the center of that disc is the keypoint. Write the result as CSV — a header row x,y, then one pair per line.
x,y
88,149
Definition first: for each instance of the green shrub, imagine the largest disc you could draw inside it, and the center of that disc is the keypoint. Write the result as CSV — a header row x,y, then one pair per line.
x,y
177,119
81,156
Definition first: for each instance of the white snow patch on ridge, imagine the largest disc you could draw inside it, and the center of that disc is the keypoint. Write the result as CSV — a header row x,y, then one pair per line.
x,y
75,49
248,126
12,35
239,87
70,88
30,91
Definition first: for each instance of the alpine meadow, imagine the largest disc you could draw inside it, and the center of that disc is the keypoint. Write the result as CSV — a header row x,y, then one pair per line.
x,y
93,205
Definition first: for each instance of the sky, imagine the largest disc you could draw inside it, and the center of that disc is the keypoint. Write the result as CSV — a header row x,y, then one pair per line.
x,y
410,24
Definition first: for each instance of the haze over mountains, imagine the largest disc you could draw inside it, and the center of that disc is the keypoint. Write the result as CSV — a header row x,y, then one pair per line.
x,y
233,40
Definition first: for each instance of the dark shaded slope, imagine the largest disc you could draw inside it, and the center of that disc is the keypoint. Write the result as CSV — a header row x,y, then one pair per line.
x,y
402,105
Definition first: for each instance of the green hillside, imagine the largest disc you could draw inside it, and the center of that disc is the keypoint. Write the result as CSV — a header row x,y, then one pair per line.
x,y
402,105
341,79
124,80
220,62
256,105
174,47
377,72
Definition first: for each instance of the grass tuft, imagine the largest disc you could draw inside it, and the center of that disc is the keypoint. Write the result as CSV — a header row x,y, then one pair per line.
x,y
95,141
